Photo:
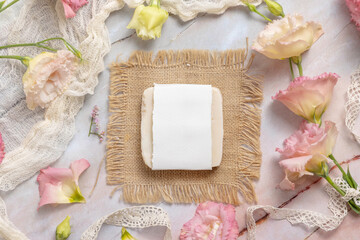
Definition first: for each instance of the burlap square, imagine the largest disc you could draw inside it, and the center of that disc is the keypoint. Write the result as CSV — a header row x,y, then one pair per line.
x,y
241,152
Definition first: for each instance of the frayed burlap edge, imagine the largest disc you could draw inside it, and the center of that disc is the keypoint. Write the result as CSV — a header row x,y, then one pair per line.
x,y
249,132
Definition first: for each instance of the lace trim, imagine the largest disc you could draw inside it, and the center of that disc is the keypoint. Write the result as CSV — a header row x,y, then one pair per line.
x,y
134,217
337,205
352,106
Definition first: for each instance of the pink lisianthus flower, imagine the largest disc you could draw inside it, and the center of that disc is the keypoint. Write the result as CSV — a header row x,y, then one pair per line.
x,y
305,150
72,6
309,97
354,7
60,185
2,149
214,221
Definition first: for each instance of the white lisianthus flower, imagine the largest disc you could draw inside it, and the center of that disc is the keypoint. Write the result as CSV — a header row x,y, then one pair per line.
x,y
47,77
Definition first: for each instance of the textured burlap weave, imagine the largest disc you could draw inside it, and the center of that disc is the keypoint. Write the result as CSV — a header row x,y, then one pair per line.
x,y
241,152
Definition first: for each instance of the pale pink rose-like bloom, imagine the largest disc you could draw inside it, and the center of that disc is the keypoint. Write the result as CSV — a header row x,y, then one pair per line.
x,y
72,6
287,37
60,185
309,97
354,7
47,77
305,150
212,221
2,149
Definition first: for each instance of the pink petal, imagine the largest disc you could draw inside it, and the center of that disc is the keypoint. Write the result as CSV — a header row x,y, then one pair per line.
x,y
77,167
296,164
211,221
53,176
327,143
2,149
354,7
301,101
69,12
309,97
286,184
53,193
72,6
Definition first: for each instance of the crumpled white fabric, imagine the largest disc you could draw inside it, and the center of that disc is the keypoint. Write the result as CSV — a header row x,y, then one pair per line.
x,y
352,106
35,139
132,217
189,9
337,205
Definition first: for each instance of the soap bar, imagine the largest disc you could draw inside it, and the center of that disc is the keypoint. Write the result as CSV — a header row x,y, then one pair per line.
x,y
147,123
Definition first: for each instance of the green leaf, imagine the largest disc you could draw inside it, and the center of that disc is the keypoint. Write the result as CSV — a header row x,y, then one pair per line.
x,y
354,207
354,184
2,4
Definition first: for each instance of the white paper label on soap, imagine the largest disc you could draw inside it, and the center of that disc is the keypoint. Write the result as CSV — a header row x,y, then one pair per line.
x,y
182,127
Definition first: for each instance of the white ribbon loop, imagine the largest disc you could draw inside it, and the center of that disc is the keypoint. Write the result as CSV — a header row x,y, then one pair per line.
x,y
133,217
337,205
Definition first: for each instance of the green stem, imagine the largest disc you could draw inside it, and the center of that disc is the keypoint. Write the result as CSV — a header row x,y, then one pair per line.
x,y
9,5
67,45
13,57
266,18
300,69
28,45
91,123
24,60
337,188
337,164
40,45
292,70
94,133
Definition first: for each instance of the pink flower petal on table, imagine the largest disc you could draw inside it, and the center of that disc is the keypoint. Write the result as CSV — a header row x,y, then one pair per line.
x,y
53,176
60,185
2,149
53,193
78,167
286,184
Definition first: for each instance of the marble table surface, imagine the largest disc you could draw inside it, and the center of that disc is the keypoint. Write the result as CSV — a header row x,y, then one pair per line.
x,y
338,50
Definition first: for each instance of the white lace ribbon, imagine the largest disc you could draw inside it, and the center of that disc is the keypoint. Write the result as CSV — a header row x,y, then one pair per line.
x,y
133,217
352,106
337,205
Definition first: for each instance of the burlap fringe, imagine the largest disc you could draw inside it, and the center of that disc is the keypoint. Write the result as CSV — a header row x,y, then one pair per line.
x,y
249,132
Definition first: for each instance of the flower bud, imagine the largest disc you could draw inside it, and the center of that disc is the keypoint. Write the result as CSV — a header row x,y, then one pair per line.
x,y
26,61
148,21
125,235
275,8
297,60
63,230
318,165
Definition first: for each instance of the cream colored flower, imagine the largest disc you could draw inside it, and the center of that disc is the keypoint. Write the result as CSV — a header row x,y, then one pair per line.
x,y
287,37
148,21
47,76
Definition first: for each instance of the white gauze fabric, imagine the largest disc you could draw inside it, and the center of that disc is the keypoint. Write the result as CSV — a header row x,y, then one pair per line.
x,y
35,139
182,127
189,9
